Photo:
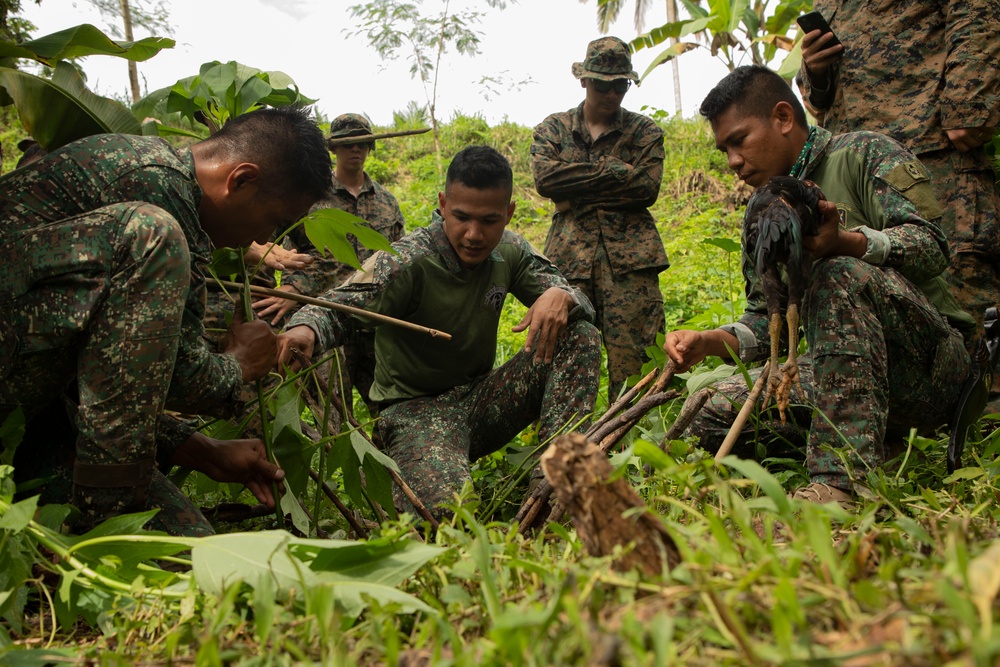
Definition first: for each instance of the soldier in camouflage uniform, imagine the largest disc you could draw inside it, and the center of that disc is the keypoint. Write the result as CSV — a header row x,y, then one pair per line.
x,y
925,73
102,294
443,403
602,166
886,349
355,192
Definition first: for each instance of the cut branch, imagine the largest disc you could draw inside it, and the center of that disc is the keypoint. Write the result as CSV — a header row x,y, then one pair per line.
x,y
323,303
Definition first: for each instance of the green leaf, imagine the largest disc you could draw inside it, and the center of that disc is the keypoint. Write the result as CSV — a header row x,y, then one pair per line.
x,y
653,455
83,40
62,110
364,448
350,595
728,245
328,228
669,53
766,481
702,380
220,560
290,507
19,515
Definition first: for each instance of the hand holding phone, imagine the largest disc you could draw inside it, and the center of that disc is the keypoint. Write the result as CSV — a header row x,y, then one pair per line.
x,y
815,21
819,53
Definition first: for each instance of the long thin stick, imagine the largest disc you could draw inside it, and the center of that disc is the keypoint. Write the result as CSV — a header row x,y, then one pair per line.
x,y
323,303
741,418
358,139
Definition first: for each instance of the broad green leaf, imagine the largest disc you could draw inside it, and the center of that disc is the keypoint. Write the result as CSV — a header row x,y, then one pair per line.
x,y
227,263
287,409
39,657
220,560
766,481
668,54
123,524
294,452
702,380
252,91
19,515
364,448
62,110
728,245
83,40
668,31
984,580
350,595
328,228
388,564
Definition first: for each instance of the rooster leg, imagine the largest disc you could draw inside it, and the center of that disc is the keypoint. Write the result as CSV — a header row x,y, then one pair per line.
x,y
773,373
790,370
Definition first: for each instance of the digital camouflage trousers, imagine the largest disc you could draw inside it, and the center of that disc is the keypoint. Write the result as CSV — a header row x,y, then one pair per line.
x,y
629,310
967,192
91,320
434,439
881,360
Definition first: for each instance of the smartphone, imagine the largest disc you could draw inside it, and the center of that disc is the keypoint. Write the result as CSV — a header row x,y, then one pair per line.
x,y
815,21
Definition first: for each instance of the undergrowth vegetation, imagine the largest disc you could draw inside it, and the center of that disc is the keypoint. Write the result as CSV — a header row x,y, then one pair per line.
x,y
910,579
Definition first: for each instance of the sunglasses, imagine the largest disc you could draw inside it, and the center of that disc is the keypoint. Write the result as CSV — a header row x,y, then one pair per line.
x,y
620,86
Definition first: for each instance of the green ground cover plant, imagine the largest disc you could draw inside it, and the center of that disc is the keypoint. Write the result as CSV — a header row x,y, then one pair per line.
x,y
910,579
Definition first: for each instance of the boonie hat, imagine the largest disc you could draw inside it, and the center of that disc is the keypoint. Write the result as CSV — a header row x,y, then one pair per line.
x,y
608,58
350,125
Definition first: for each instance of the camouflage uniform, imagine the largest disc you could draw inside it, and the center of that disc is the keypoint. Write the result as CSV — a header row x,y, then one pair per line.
x,y
606,243
376,206
108,303
885,342
443,404
911,70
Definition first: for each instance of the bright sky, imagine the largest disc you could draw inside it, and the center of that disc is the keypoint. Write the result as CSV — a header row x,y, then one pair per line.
x,y
308,40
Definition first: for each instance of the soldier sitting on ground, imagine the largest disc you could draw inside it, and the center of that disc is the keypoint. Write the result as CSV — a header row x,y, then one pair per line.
x,y
442,403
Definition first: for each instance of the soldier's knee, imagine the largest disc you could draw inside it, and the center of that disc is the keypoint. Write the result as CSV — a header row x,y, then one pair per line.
x,y
839,271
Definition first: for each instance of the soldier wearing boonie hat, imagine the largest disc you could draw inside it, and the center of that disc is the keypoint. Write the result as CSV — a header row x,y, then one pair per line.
x,y
351,125
608,58
602,166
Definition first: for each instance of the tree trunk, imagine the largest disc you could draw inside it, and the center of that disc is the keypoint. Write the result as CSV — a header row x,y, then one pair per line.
x,y
672,18
133,70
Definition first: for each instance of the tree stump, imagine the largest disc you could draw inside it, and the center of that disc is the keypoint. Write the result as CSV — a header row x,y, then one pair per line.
x,y
579,473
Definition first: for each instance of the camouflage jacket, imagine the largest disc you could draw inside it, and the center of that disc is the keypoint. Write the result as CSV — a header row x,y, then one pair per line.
x,y
882,191
609,185
107,169
375,205
424,283
912,69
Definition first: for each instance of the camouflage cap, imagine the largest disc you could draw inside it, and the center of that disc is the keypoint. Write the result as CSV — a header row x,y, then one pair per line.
x,y
350,125
608,58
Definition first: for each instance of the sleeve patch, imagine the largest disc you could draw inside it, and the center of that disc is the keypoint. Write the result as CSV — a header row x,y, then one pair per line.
x,y
910,179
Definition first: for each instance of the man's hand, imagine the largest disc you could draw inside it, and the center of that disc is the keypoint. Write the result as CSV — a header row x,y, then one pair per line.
x,y
967,138
275,257
240,461
253,344
819,57
299,338
545,321
687,348
275,305
832,241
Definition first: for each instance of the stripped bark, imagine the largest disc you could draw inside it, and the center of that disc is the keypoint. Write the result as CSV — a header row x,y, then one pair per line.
x,y
606,513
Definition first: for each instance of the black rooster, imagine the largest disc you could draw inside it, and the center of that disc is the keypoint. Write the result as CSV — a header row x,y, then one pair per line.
x,y
778,215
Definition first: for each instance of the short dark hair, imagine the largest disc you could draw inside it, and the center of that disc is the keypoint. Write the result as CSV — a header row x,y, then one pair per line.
x,y
482,168
754,90
287,145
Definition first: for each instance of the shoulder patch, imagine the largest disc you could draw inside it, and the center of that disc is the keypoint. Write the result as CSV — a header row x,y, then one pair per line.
x,y
910,179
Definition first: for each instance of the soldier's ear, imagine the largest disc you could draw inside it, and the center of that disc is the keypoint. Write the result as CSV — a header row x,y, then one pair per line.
x,y
783,117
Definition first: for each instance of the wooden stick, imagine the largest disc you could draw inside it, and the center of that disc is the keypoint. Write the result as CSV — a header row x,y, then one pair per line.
x,y
362,138
339,504
741,418
323,303
690,410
